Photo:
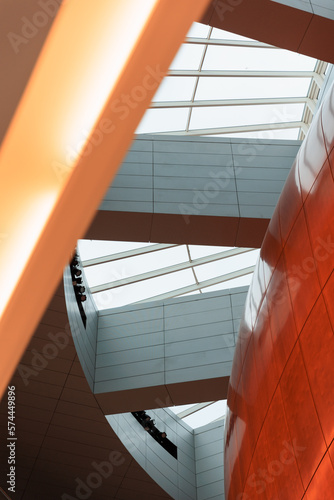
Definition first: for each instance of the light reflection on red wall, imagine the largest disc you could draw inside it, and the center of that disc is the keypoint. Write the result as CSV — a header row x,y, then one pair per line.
x,y
280,423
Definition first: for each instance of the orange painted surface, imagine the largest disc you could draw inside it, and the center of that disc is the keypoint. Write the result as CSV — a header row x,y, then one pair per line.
x,y
276,24
280,422
174,228
68,136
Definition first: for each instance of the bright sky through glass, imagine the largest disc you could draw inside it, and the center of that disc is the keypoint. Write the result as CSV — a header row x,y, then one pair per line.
x,y
197,415
189,101
125,289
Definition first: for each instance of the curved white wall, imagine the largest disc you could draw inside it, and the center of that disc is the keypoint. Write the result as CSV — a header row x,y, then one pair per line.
x,y
197,473
159,343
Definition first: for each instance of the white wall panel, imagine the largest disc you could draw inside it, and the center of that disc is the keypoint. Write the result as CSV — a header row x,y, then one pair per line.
x,y
168,174
204,372
208,463
85,339
196,341
198,471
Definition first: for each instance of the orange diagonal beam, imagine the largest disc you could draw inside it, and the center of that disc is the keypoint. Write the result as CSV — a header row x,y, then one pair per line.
x,y
99,68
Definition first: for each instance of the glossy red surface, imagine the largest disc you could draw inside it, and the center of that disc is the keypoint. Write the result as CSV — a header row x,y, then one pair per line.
x,y
280,425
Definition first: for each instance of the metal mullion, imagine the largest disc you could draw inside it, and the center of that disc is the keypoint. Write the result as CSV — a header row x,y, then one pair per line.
x,y
246,73
128,253
192,268
312,95
229,43
197,79
168,270
203,284
231,102
195,408
236,129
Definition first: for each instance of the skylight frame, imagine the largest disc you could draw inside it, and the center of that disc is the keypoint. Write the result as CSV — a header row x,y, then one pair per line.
x,y
184,127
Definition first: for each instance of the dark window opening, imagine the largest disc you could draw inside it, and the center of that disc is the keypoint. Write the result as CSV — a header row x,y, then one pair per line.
x,y
78,286
161,437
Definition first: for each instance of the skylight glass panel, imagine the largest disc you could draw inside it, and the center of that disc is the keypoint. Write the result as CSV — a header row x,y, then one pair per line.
x,y
198,251
188,57
137,273
132,266
200,414
250,87
198,30
196,292
219,57
216,117
175,89
90,249
147,289
206,415
226,285
255,59
217,33
225,266
105,273
224,51
163,120
284,134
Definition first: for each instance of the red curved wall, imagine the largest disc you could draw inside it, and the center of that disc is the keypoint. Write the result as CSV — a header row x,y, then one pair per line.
x,y
280,422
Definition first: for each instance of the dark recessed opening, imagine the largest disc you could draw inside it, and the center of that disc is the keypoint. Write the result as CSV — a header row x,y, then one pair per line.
x,y
160,436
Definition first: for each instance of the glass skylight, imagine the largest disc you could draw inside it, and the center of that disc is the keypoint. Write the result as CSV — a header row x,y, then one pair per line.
x,y
119,274
226,85
197,415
